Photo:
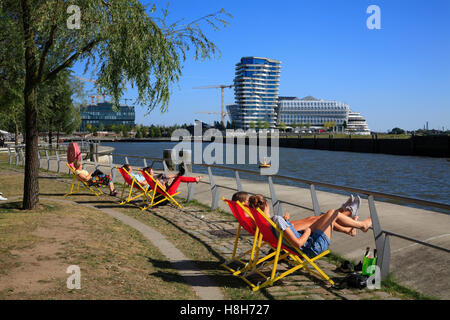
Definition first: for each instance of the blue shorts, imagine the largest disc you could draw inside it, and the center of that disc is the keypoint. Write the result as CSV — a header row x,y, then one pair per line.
x,y
317,243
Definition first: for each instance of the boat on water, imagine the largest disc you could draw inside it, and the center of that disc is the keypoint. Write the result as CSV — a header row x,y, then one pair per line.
x,y
264,164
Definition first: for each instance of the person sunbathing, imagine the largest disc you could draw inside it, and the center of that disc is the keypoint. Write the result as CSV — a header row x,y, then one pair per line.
x,y
97,178
314,238
240,196
136,175
171,182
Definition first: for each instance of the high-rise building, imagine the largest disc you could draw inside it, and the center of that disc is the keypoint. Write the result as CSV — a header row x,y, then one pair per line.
x,y
103,114
256,93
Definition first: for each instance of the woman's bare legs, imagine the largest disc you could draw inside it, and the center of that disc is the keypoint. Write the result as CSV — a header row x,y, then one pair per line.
x,y
327,222
302,224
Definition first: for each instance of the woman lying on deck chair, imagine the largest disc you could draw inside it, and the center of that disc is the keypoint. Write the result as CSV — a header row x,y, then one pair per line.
x,y
137,175
97,178
312,235
171,182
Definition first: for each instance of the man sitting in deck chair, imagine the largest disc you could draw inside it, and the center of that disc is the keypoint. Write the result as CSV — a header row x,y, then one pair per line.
x,y
97,178
315,235
171,182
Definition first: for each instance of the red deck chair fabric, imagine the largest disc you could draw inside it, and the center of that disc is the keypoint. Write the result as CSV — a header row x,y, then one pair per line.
x,y
245,221
173,187
73,152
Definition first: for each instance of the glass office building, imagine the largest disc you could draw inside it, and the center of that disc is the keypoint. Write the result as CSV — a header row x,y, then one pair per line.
x,y
103,114
256,92
300,112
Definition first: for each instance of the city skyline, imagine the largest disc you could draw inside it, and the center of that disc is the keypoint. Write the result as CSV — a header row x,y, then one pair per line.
x,y
397,76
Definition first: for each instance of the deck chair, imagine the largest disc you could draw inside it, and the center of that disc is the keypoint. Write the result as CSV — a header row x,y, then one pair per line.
x,y
283,249
158,193
136,189
248,224
84,184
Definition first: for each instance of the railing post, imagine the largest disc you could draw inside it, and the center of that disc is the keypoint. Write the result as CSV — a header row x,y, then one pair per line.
x,y
166,169
381,242
10,155
111,168
95,161
214,191
48,160
145,163
39,158
238,180
190,186
277,209
17,155
315,202
23,156
57,159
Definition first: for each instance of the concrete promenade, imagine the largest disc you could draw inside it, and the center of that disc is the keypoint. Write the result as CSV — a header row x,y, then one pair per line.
x,y
415,266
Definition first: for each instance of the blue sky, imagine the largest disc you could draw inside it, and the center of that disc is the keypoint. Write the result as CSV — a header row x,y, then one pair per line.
x,y
396,76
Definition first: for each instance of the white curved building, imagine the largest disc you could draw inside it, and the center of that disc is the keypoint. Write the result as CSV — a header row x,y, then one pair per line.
x,y
256,92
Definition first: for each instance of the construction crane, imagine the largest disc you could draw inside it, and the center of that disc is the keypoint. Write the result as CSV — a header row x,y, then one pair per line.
x,y
222,87
96,86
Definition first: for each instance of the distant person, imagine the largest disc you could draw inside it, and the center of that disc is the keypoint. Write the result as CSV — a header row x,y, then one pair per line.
x,y
97,178
315,238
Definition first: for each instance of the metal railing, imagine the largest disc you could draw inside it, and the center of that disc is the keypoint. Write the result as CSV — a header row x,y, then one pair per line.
x,y
381,236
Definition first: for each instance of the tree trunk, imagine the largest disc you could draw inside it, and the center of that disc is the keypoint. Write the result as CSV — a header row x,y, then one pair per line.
x,y
31,182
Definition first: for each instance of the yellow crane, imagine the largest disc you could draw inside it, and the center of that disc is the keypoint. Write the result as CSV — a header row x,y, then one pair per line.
x,y
94,82
222,87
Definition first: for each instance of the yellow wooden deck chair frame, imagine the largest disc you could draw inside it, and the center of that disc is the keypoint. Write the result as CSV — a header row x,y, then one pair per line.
x,y
158,194
298,259
248,258
136,189
81,184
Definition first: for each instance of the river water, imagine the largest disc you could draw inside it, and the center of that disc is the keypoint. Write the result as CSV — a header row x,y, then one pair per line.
x,y
415,177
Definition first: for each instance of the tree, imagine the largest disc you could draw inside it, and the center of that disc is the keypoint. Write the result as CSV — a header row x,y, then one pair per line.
x,y
397,130
120,38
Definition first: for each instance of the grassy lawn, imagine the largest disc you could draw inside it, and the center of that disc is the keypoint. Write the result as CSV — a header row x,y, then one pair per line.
x,y
37,247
